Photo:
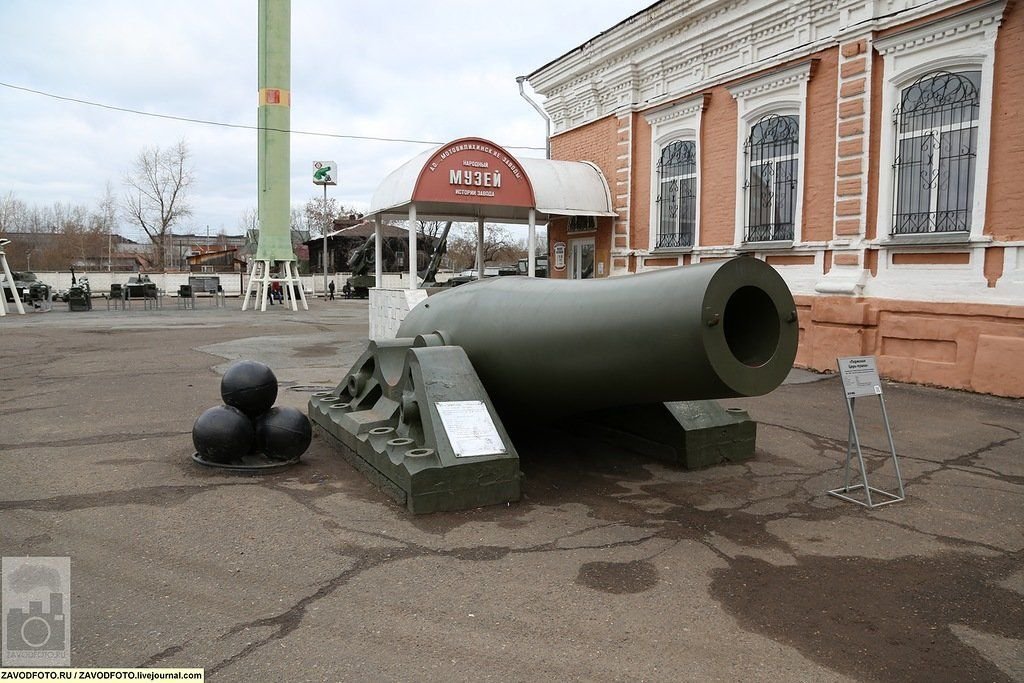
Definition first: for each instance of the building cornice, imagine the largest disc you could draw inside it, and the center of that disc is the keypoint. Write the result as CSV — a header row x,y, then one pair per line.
x,y
773,80
677,48
976,19
678,110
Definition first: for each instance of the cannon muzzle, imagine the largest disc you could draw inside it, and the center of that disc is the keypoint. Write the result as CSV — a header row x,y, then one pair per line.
x,y
550,347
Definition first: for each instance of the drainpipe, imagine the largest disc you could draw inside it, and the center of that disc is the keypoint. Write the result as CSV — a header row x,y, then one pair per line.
x,y
547,119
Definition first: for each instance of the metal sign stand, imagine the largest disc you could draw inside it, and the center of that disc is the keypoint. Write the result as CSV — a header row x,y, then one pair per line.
x,y
860,378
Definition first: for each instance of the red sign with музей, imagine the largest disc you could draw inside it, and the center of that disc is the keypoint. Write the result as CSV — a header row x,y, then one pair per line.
x,y
473,171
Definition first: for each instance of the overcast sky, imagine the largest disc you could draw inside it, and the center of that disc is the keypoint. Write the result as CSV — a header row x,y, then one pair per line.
x,y
430,70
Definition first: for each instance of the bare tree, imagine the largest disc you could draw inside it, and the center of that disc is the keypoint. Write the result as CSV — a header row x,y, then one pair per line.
x,y
498,247
11,211
319,214
432,228
156,198
249,220
105,219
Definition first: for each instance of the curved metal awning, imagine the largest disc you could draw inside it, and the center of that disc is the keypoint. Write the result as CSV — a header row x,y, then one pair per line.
x,y
472,178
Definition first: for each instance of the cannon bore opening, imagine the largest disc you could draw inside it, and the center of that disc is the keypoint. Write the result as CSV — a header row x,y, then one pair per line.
x,y
751,326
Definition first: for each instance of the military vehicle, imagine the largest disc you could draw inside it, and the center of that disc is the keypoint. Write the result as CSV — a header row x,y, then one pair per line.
x,y
28,286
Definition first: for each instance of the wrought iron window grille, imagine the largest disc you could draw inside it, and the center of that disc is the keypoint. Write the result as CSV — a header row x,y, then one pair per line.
x,y
936,130
677,194
582,224
771,152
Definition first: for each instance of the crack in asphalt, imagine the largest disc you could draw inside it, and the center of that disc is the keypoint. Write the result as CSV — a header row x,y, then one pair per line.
x,y
96,440
965,460
15,411
372,558
146,495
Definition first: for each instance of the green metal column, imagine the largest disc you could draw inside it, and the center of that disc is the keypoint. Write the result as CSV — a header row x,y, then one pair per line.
x,y
274,151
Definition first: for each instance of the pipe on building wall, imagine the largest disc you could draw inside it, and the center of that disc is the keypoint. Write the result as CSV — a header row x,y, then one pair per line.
x,y
547,119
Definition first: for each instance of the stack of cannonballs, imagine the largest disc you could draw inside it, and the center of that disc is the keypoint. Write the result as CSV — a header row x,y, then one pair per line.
x,y
248,425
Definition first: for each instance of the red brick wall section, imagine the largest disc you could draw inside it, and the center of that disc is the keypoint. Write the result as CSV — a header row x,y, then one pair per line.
x,y
594,142
597,143
1005,203
718,169
819,178
874,144
640,190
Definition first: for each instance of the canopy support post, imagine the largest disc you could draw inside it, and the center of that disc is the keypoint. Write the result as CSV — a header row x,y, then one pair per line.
x,y
480,248
412,246
378,253
531,257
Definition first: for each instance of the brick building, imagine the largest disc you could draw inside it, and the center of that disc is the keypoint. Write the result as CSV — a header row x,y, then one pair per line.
x,y
868,149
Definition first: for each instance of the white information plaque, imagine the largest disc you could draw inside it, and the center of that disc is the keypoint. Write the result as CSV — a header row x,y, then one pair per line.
x,y
860,376
470,428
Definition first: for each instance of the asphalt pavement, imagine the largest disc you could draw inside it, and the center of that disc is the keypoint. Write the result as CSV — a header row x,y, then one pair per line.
x,y
612,567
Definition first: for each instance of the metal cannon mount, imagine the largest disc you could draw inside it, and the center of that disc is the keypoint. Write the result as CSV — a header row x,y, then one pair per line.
x,y
636,359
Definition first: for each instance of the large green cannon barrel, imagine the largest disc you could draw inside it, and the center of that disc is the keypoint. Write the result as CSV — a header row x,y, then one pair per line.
x,y
550,347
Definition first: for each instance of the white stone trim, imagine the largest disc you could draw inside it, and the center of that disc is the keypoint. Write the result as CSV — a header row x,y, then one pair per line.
x,y
624,218
680,121
961,42
771,82
388,308
933,282
865,137
982,19
781,92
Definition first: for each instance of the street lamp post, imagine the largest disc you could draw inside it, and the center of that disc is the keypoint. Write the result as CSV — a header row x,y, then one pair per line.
x,y
327,223
325,173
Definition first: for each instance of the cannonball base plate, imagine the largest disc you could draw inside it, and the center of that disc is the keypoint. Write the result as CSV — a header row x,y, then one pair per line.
x,y
254,462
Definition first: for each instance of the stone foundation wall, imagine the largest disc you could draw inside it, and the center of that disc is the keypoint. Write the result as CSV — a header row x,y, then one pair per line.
x,y
977,347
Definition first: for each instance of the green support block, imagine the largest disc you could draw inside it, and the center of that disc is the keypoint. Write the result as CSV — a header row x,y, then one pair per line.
x,y
692,434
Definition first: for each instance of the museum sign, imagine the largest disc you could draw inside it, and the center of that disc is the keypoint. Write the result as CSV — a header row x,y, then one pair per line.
x,y
474,171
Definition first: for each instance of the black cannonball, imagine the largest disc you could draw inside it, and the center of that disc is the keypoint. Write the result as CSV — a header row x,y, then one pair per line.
x,y
249,386
283,433
223,434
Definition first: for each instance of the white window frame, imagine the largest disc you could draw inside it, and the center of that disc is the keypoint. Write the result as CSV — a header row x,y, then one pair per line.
x,y
963,42
662,180
680,121
935,160
749,166
782,92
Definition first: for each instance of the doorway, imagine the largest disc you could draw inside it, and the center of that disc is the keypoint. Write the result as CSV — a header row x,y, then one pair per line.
x,y
581,259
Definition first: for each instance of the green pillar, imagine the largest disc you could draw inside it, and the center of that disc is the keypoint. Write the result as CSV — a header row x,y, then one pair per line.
x,y
274,150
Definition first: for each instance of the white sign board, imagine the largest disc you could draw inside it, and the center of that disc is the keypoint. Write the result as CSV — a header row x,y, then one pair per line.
x,y
559,255
860,376
470,428
325,173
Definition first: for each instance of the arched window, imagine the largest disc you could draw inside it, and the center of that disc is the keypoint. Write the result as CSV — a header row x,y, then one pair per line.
x,y
677,194
936,128
772,170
